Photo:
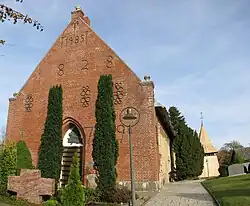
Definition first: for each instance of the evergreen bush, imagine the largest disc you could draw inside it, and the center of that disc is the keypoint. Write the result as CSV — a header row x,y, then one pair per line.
x,y
91,195
24,160
73,193
120,194
3,190
105,145
51,203
8,163
245,169
51,148
223,170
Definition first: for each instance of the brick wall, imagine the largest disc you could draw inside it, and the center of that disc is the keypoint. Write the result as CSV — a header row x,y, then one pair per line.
x,y
76,60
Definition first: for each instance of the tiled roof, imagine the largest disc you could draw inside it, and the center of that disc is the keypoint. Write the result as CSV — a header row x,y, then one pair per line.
x,y
206,142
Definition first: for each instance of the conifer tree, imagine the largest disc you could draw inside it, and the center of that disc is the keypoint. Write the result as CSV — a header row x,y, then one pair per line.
x,y
51,148
73,193
179,126
105,145
198,155
187,147
184,153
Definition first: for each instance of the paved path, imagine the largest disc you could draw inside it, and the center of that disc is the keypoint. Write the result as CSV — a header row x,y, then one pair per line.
x,y
187,193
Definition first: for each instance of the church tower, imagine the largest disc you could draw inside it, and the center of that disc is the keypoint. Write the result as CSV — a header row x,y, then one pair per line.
x,y
211,163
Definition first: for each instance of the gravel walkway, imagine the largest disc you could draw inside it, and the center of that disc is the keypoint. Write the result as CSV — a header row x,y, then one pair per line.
x,y
182,193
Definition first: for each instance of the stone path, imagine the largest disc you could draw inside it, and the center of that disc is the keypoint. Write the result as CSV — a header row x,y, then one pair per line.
x,y
186,193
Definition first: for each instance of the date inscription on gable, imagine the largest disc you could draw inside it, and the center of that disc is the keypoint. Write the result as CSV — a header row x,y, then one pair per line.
x,y
73,40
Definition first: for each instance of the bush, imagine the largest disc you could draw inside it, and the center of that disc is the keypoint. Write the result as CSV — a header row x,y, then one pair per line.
x,y
73,193
51,203
24,160
91,195
119,195
248,168
14,202
223,170
8,159
245,169
3,190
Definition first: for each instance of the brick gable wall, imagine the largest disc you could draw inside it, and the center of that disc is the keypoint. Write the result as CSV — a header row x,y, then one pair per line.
x,y
76,61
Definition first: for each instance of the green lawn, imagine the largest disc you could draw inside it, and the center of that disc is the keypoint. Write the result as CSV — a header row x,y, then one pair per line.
x,y
3,204
8,201
230,191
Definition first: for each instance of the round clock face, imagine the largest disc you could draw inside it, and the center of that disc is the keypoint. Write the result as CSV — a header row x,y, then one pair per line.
x,y
129,116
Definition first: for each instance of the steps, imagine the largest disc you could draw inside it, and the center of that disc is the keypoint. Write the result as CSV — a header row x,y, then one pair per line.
x,y
68,153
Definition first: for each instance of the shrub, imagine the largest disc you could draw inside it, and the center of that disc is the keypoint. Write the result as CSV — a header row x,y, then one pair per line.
x,y
245,169
51,203
73,193
119,195
8,159
24,160
91,195
51,148
223,170
248,168
14,202
3,190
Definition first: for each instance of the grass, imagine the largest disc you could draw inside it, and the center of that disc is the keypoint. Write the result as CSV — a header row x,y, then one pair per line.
x,y
11,201
230,191
3,204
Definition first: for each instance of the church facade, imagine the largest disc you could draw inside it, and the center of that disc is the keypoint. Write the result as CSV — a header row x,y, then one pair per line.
x,y
76,60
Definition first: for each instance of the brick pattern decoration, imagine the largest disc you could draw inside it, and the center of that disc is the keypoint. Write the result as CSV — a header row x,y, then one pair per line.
x,y
30,186
76,60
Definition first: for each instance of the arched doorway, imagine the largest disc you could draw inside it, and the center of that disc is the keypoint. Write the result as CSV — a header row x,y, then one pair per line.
x,y
72,142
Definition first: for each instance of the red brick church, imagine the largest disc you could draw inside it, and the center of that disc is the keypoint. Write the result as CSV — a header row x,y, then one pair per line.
x,y
76,60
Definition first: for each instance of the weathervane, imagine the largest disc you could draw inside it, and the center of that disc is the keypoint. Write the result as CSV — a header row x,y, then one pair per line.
x,y
78,7
202,118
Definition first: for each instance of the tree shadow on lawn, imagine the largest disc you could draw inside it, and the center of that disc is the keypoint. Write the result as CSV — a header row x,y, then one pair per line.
x,y
231,193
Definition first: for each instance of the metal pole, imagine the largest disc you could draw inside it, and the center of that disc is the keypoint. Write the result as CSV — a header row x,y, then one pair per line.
x,y
131,166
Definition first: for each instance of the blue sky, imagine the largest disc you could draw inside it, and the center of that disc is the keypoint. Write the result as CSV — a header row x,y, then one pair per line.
x,y
196,51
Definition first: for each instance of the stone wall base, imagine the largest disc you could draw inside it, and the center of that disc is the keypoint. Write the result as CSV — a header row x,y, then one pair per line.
x,y
141,186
